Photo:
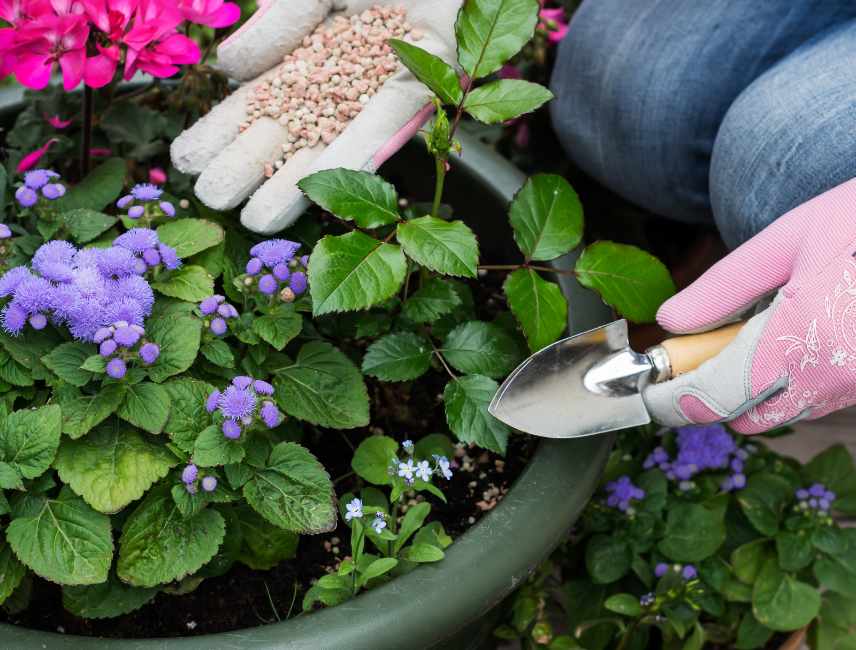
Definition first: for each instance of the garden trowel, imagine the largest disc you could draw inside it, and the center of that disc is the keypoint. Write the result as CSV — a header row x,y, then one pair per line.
x,y
592,382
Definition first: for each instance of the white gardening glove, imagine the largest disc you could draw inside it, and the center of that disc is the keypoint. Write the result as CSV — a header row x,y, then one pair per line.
x,y
231,164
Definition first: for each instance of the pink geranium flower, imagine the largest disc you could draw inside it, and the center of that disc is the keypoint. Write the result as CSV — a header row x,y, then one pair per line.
x,y
213,13
50,40
111,18
153,44
553,22
157,176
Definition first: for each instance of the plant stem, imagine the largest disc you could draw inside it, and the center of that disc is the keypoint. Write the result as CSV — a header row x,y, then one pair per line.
x,y
440,168
515,267
86,152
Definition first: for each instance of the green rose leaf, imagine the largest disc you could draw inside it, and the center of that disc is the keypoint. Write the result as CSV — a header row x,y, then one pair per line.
x,y
62,539
190,236
84,224
353,271
781,602
66,361
608,558
481,349
763,501
219,353
280,327
107,600
629,279
190,283
358,196
323,387
539,306
264,545
466,400
178,338
431,70
29,439
448,247
158,545
490,32
98,190
547,217
505,99
398,357
293,491
212,448
692,533
146,406
626,604
187,414
434,299
81,412
372,459
11,571
113,466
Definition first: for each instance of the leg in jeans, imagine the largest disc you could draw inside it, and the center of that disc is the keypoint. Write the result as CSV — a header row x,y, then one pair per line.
x,y
642,87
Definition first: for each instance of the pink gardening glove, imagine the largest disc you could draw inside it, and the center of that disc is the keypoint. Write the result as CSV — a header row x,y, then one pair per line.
x,y
794,360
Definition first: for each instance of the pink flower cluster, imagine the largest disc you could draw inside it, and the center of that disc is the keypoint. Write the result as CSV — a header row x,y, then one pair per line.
x,y
89,39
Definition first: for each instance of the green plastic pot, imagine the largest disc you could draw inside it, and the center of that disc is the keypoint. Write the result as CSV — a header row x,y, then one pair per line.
x,y
447,604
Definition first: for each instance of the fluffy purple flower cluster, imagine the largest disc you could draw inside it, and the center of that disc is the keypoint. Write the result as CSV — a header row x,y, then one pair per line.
x,y
277,269
5,232
84,290
39,183
119,342
816,497
141,201
701,448
686,571
148,250
621,492
191,479
220,311
244,403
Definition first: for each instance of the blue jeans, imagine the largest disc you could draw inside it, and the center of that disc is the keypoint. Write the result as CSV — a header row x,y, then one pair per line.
x,y
731,110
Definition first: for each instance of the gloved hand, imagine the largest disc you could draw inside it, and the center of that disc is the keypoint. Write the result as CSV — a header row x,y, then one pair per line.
x,y
231,165
794,360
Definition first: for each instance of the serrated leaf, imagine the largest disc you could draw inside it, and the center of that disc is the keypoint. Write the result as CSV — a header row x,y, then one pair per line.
x,y
219,353
85,224
490,32
190,236
98,190
538,305
178,338
187,414
146,405
358,196
10,477
158,545
431,70
505,99
547,217
113,466
398,357
11,571
448,247
13,372
323,387
629,279
66,361
190,283
95,364
107,600
83,411
466,400
280,327
481,348
212,448
294,491
353,271
372,459
434,299
28,350
62,540
29,439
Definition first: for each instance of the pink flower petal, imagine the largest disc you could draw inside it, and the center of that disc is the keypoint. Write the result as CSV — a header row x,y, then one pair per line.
x,y
31,159
33,70
73,64
157,176
58,123
99,70
100,152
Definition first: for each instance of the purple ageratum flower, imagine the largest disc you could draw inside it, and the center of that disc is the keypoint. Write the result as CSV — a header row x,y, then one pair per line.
x,y
189,474
116,368
26,197
137,240
124,202
304,261
647,600
210,304
254,266
127,336
38,321
621,492
218,326
115,263
13,318
54,259
242,381
5,232
298,282
661,569
149,353
270,415
146,192
167,208
103,334
268,284
689,572
237,403
53,191
212,401
231,429
354,510
136,211
38,178
281,272
134,288
169,257
107,348
209,483
817,490
274,251
262,387
151,257
227,311
10,280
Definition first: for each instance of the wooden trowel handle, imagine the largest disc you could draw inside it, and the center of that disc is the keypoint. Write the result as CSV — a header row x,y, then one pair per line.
x,y
687,353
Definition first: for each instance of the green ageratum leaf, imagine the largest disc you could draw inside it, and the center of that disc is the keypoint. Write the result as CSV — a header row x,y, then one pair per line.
x,y
539,306
212,448
62,540
187,414
608,558
65,361
748,559
95,364
107,600
219,353
547,217
781,602
83,411
448,247
629,279
834,467
626,604
466,400
490,32
264,545
13,372
353,271
436,298
113,466
190,283
505,99
11,571
28,350
431,70
763,500
10,478
323,387
372,459
98,190
178,338
84,225
794,550
158,545
481,349
358,196
146,406
280,327
837,572
692,533
29,439
190,236
398,357
293,492
751,634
